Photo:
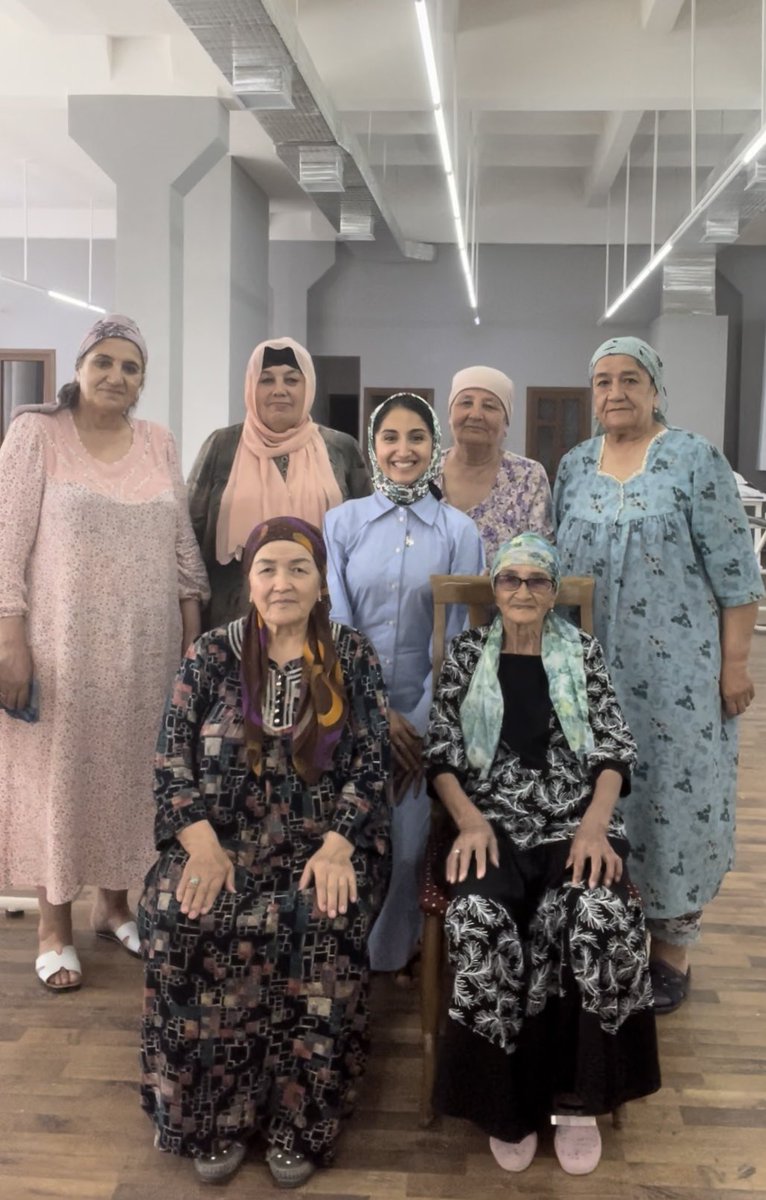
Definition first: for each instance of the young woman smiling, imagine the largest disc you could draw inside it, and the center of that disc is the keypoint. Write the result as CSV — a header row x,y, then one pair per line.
x,y
382,551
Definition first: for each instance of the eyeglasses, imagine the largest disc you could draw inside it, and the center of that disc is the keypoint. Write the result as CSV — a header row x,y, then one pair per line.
x,y
538,585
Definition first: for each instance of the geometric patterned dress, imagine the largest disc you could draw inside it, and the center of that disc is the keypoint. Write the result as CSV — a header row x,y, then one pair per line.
x,y
255,1015
551,1007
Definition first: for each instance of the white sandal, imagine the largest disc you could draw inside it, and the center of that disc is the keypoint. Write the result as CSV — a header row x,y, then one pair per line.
x,y
125,935
51,962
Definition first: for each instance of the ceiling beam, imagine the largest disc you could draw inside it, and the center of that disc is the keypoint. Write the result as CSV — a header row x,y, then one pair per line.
x,y
660,16
611,148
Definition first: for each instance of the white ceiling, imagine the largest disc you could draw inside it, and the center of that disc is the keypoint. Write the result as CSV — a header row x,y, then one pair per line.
x,y
544,96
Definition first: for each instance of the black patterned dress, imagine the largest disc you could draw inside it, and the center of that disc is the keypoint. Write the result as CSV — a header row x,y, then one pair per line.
x,y
255,1015
551,1009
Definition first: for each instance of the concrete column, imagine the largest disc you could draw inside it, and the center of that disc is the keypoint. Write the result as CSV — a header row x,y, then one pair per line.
x,y
295,266
693,350
226,293
156,149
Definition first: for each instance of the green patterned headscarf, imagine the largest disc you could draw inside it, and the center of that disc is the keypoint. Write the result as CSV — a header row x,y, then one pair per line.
x,y
481,713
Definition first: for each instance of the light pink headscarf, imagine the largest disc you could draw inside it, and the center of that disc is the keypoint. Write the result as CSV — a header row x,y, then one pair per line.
x,y
487,378
256,491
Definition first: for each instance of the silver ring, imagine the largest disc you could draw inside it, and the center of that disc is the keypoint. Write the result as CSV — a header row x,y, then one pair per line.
x,y
195,879
455,851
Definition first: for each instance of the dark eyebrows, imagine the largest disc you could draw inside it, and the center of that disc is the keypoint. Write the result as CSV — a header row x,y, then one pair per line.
x,y
292,562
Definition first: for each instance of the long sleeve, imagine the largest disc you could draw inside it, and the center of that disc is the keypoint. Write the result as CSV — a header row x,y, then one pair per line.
x,y
444,749
720,532
176,774
362,813
358,478
559,492
614,743
340,603
22,486
192,576
540,515
199,486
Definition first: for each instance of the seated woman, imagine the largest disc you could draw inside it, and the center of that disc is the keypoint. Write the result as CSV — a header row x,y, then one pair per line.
x,y
279,462
551,1012
272,827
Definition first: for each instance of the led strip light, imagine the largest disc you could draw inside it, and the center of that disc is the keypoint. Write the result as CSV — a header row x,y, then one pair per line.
x,y
421,11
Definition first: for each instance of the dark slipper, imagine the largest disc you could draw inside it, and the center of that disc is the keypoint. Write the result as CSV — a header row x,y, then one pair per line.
x,y
670,986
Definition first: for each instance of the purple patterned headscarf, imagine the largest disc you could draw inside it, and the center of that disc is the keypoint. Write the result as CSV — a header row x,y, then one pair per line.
x,y
323,704
113,325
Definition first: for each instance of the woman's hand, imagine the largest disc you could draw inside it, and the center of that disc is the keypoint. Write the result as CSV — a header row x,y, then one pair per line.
x,y
208,870
333,874
476,838
591,842
15,663
406,744
737,688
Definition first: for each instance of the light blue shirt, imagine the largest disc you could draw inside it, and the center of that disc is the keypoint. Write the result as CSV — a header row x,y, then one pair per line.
x,y
380,559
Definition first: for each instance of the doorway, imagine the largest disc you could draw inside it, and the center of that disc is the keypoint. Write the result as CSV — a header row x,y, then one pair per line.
x,y
557,419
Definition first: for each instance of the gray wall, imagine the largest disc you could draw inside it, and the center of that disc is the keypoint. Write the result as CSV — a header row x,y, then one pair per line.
x,y
32,320
410,324
249,280
745,269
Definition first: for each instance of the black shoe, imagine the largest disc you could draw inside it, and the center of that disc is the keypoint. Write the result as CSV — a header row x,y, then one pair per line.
x,y
670,986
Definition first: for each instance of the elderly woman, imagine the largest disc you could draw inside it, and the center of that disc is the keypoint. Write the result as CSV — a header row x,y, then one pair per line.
x,y
528,751
100,589
271,824
278,463
653,513
504,493
382,553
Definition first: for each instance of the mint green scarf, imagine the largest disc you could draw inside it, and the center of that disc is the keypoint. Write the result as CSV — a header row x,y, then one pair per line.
x,y
481,713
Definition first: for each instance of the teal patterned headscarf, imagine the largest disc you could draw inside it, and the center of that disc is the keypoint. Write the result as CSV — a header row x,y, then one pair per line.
x,y
406,493
481,713
645,355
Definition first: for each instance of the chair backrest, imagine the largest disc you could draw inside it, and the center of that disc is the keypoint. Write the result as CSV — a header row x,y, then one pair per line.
x,y
475,591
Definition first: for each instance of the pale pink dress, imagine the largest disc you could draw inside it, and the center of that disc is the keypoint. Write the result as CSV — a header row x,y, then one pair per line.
x,y
96,556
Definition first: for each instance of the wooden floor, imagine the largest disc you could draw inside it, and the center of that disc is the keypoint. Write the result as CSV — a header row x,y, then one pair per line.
x,y
70,1125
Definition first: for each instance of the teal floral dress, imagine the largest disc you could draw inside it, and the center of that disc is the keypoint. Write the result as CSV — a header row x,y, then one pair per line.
x,y
669,548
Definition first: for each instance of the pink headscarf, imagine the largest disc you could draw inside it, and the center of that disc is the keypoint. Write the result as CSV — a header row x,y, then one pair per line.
x,y
256,491
487,378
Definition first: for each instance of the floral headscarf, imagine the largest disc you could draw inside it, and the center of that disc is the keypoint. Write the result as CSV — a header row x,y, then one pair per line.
x,y
405,493
323,703
481,713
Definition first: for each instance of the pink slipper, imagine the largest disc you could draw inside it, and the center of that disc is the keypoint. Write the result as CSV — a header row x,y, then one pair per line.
x,y
514,1156
578,1148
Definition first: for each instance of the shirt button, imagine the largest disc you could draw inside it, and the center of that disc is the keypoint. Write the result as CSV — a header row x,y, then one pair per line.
x,y
398,549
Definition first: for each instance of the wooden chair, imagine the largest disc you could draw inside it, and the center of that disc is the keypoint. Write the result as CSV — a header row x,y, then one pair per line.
x,y
475,591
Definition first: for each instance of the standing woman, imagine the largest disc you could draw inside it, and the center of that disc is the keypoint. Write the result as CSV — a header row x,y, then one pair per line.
x,y
381,552
504,493
100,590
653,513
278,463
